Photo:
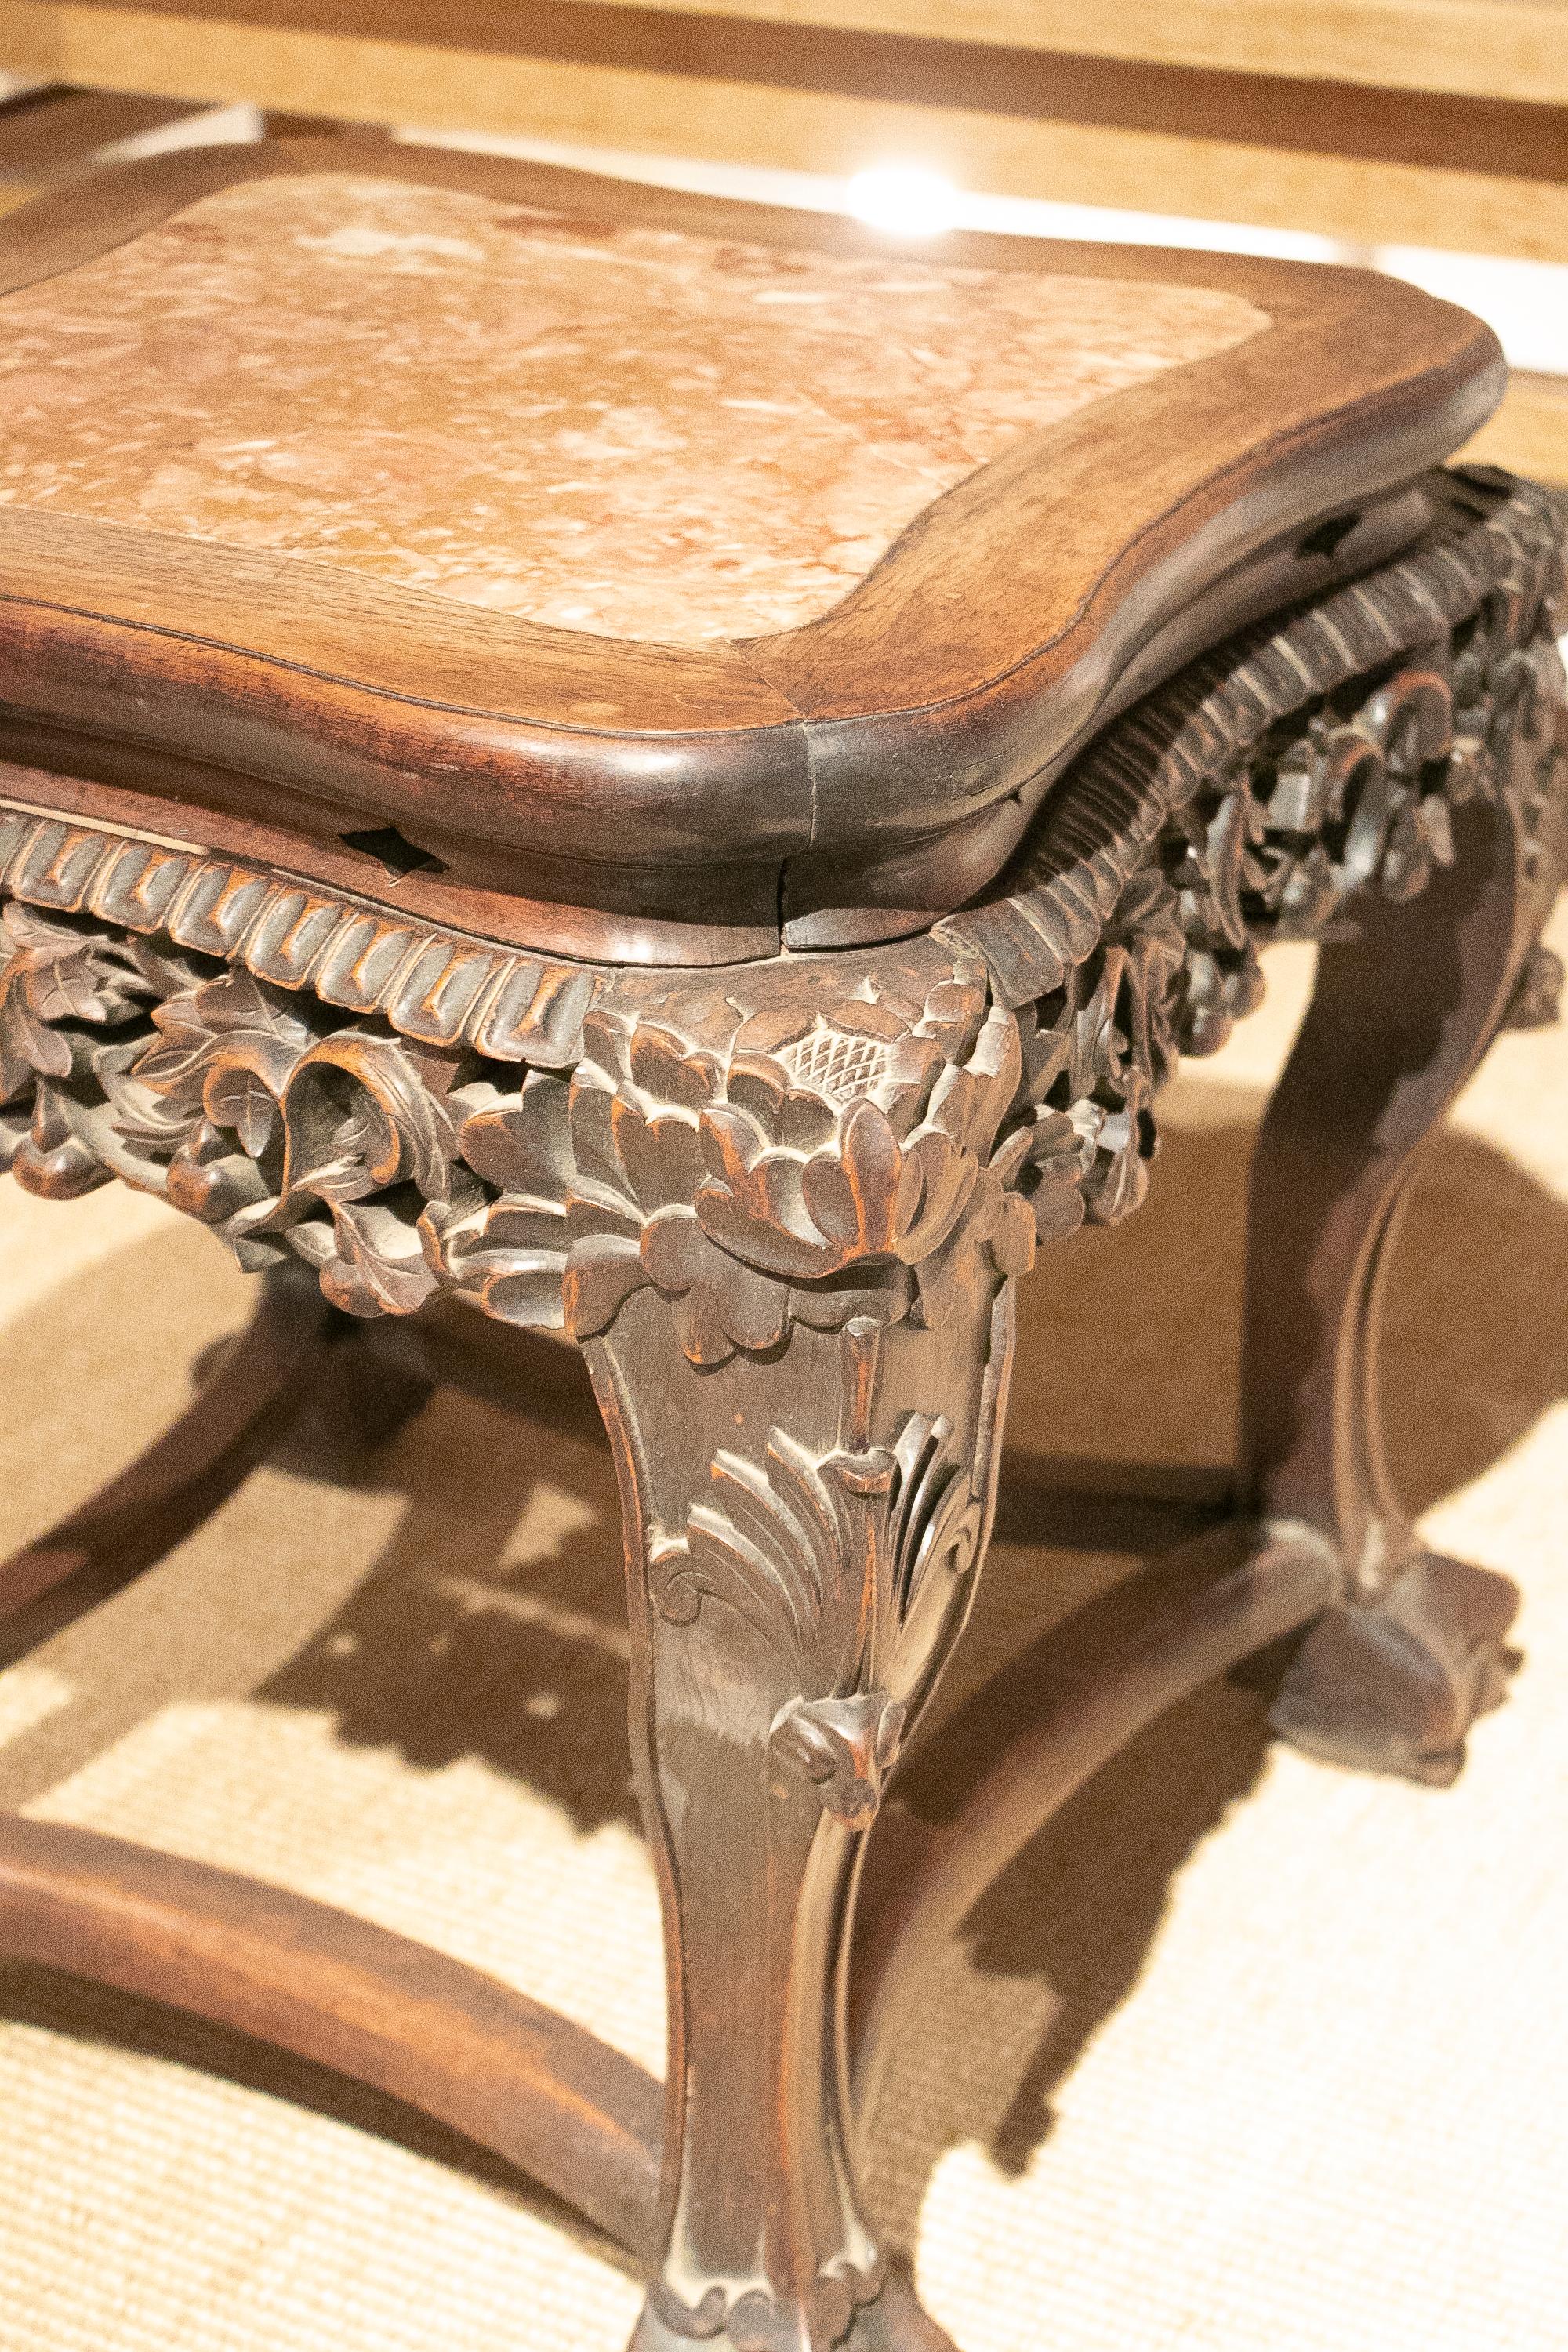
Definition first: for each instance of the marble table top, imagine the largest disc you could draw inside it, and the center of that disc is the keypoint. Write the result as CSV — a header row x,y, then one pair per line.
x,y
604,427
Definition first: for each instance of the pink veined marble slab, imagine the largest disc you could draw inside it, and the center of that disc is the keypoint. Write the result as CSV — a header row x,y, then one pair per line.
x,y
623,430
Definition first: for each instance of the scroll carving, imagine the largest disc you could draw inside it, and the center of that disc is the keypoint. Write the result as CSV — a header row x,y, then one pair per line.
x,y
1308,761
1354,800
794,1593
812,1180
807,1143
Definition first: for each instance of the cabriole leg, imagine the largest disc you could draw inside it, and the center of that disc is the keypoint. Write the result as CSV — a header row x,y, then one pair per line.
x,y
804,1532
789,1274
1392,1679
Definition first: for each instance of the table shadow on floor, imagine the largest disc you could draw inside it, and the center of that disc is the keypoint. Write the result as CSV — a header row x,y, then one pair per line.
x,y
454,1643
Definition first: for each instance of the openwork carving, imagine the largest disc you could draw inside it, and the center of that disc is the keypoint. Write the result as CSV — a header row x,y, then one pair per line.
x,y
439,987
292,1133
812,1178
812,1142
1306,761
824,1559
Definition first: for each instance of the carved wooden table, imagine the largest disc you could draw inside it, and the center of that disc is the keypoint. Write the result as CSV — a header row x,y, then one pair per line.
x,y
674,773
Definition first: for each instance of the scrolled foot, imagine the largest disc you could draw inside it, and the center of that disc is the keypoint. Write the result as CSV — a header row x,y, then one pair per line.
x,y
1536,1001
894,2321
1394,1686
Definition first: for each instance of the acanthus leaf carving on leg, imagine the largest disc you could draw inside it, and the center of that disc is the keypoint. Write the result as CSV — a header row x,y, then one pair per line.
x,y
781,1206
791,1240
793,1594
825,1558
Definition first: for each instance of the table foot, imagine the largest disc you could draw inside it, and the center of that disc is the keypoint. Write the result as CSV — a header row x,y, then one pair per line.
x,y
1395,1686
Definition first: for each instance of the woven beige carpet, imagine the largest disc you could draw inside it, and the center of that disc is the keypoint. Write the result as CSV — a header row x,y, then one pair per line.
x,y
1245,2054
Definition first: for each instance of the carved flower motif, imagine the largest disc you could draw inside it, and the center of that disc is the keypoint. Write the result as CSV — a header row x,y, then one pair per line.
x,y
819,1170
329,1146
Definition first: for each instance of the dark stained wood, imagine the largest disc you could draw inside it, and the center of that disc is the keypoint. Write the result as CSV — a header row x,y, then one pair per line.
x,y
974,655
244,1405
485,890
459,2045
801,1557
1401,1013
46,134
782,1209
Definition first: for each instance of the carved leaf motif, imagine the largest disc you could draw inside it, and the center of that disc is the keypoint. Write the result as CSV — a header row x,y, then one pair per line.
x,y
934,1516
824,1559
776,1545
235,1096
52,971
520,1143
364,1113
234,1017
377,1265
720,1304
771,1547
72,973
876,1136
512,1250
27,1044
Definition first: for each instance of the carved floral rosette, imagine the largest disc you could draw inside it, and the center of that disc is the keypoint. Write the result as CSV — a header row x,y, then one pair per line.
x,y
823,1138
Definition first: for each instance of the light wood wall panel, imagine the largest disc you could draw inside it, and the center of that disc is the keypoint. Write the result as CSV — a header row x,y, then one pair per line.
x,y
1474,49
1530,432
1368,166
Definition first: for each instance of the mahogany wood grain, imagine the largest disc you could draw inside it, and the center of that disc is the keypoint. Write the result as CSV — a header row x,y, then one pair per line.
x,y
982,648
459,2045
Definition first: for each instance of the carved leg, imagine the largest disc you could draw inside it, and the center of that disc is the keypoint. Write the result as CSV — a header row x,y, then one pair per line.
x,y
802,1359
1392,1678
803,1536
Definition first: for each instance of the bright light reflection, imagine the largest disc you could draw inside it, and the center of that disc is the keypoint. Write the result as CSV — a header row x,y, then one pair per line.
x,y
903,200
